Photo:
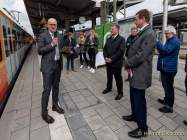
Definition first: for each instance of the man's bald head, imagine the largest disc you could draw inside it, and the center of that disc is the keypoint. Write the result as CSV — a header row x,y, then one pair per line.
x,y
52,25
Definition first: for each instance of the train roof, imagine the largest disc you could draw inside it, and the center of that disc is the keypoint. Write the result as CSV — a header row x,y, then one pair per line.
x,y
178,13
7,13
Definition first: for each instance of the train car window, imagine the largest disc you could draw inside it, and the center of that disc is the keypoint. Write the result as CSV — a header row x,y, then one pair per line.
x,y
14,36
9,39
1,55
5,41
19,39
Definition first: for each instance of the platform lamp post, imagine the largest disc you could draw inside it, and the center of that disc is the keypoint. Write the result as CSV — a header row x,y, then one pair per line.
x,y
165,19
124,5
165,16
114,10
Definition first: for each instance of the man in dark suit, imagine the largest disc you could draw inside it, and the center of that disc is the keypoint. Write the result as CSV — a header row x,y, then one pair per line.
x,y
49,46
139,63
113,54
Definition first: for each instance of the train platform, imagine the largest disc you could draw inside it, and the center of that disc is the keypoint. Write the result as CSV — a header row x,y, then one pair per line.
x,y
89,115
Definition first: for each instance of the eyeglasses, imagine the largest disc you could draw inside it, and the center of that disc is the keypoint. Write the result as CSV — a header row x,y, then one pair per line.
x,y
167,33
53,24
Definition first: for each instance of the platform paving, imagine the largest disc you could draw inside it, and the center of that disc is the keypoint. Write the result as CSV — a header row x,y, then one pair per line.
x,y
89,115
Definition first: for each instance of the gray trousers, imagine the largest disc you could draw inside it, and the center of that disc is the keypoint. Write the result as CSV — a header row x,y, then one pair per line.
x,y
51,81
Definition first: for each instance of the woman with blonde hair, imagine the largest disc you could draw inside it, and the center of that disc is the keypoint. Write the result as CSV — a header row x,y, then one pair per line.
x,y
81,41
91,45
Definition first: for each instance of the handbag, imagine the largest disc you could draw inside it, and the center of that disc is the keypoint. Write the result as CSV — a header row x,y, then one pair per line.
x,y
65,50
75,53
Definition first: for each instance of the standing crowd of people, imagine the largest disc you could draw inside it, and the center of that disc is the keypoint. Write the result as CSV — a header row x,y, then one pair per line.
x,y
135,55
85,46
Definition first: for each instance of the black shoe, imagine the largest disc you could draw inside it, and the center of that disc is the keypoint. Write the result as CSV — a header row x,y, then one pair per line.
x,y
105,91
161,101
47,118
138,133
58,109
185,122
166,109
119,96
129,118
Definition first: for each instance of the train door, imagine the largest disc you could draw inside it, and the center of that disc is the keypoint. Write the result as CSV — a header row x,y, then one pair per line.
x,y
3,71
12,55
15,48
18,47
7,52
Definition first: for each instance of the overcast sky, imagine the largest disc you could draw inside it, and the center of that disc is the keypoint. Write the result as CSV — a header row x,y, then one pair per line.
x,y
153,5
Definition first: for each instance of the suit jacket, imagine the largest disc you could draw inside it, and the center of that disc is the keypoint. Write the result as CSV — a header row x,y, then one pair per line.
x,y
140,57
48,52
114,49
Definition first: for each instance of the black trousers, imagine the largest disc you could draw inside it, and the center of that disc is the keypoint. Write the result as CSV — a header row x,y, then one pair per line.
x,y
138,107
118,77
70,59
85,58
186,84
167,79
51,81
92,55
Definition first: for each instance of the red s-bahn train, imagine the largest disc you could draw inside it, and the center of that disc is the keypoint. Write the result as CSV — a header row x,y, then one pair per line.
x,y
14,43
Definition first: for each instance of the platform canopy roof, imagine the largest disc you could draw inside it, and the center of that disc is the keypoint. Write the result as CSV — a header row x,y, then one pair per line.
x,y
64,10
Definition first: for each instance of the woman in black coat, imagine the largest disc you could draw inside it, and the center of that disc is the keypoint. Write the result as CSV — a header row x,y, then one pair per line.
x,y
69,42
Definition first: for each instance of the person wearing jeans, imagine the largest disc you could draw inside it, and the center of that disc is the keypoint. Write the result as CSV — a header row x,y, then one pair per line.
x,y
167,65
81,41
91,44
69,41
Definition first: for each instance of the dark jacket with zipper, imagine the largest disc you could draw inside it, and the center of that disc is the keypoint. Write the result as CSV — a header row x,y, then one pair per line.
x,y
71,45
129,43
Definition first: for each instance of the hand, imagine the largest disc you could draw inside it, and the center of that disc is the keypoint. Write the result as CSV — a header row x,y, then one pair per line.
x,y
71,52
54,42
108,60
